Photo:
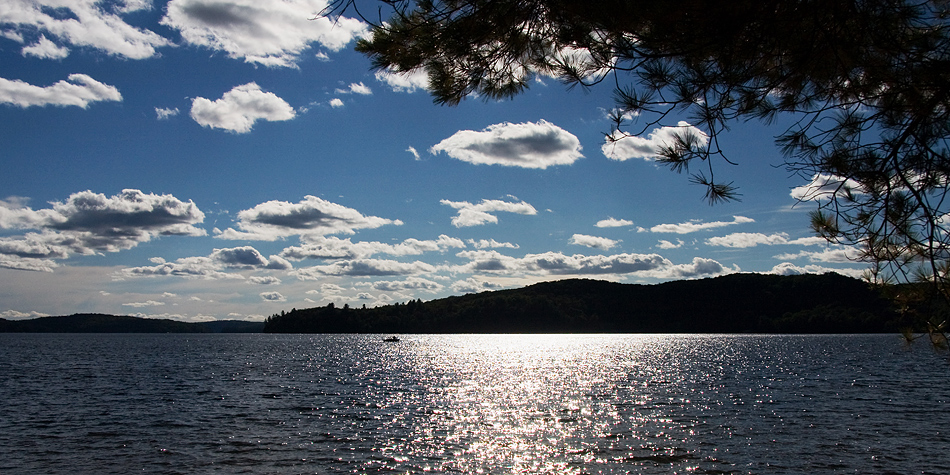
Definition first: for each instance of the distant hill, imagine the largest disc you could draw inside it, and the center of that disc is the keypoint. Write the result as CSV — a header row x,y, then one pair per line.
x,y
737,303
100,323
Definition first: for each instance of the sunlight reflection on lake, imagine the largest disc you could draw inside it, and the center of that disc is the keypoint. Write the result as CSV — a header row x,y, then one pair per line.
x,y
651,404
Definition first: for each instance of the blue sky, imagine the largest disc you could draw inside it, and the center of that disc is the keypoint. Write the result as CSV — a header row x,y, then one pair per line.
x,y
210,159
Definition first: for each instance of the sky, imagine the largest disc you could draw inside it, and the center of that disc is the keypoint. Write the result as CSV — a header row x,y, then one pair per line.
x,y
232,159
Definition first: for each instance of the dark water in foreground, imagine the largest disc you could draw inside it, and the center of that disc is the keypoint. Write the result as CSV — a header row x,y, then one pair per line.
x,y
194,404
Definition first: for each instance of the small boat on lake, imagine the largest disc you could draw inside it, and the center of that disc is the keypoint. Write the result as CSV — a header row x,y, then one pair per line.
x,y
392,339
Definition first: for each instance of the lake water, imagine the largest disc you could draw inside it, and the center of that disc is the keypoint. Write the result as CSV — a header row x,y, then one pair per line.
x,y
288,404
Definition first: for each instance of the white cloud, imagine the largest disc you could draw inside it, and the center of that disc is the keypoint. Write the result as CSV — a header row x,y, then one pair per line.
x,y
743,240
823,186
613,223
693,226
473,285
595,242
273,34
164,114
331,247
840,255
45,49
246,257
413,151
404,82
150,303
627,147
79,90
356,88
363,267
331,289
491,243
312,216
239,108
336,102
787,268
664,244
700,267
34,246
214,266
477,214
581,60
26,263
412,283
15,315
187,267
273,296
526,145
89,223
556,263
82,23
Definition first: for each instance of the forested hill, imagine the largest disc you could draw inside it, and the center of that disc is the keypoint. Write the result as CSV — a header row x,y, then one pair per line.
x,y
737,303
100,323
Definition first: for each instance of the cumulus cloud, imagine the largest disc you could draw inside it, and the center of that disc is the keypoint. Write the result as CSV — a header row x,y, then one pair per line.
x,y
413,151
273,34
490,244
331,289
16,315
273,296
78,90
839,255
743,240
477,214
26,263
312,216
89,223
214,266
595,242
356,88
787,268
45,49
364,267
473,285
247,257
664,244
700,267
85,23
164,114
412,283
556,263
150,303
693,226
527,145
186,267
824,186
239,108
613,223
335,103
322,247
404,82
626,147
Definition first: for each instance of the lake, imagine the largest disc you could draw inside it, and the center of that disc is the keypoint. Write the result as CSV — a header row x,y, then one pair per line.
x,y
574,404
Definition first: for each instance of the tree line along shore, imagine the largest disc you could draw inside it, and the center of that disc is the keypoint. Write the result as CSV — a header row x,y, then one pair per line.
x,y
737,303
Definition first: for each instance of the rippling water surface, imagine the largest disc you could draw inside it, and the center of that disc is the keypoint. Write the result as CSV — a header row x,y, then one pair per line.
x,y
471,404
